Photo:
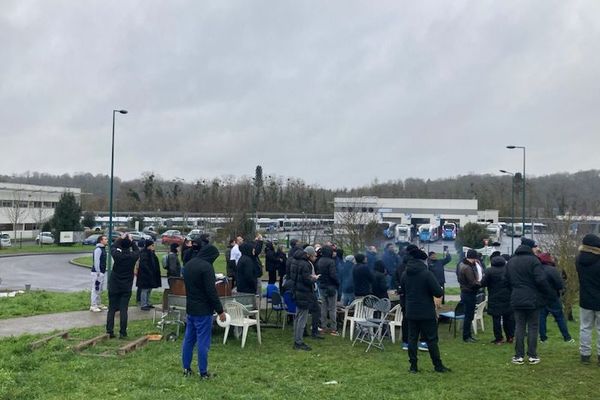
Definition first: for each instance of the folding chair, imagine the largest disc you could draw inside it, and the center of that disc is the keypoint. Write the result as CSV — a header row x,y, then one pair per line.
x,y
454,316
359,313
373,330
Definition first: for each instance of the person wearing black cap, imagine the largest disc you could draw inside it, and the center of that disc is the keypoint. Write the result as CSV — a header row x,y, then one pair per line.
x,y
148,274
173,266
530,287
588,270
470,283
202,301
125,253
499,307
419,286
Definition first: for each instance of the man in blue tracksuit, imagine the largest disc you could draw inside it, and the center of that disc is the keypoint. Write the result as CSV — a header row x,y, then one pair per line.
x,y
201,301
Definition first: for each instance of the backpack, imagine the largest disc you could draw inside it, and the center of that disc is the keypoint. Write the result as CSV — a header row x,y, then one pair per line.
x,y
165,261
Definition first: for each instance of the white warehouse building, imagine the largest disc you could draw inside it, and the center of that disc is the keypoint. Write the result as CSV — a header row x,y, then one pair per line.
x,y
410,211
25,208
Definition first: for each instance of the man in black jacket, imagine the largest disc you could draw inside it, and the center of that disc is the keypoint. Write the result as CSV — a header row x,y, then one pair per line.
x,y
328,286
363,277
437,267
588,270
529,288
499,307
201,301
553,304
470,282
419,286
125,253
302,273
247,269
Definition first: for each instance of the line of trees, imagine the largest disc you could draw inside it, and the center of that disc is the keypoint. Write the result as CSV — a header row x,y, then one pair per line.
x,y
547,196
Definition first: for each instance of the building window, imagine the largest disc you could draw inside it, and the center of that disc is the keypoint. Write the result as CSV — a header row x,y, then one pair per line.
x,y
7,203
37,204
48,204
6,227
370,209
23,204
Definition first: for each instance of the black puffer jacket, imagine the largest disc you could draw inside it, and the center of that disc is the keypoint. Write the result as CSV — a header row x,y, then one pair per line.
x,y
301,270
149,271
271,257
199,278
121,278
328,281
419,286
588,269
498,289
555,281
527,280
247,270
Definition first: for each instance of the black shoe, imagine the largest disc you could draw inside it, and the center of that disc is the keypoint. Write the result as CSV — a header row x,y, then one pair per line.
x,y
413,369
145,308
320,337
442,369
151,306
111,335
497,341
207,376
302,346
187,373
123,336
586,359
470,340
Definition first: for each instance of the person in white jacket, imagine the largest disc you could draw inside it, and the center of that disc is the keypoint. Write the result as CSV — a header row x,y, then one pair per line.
x,y
98,271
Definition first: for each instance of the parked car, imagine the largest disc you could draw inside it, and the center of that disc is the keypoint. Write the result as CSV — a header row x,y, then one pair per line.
x,y
5,240
90,240
172,236
149,230
45,238
137,236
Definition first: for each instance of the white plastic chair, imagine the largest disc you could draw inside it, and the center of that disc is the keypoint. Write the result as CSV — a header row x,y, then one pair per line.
x,y
479,309
396,322
238,315
361,313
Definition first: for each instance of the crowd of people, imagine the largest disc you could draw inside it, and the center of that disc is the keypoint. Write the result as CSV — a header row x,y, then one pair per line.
x,y
522,289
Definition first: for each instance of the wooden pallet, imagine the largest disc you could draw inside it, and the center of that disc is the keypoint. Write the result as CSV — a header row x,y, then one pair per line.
x,y
43,341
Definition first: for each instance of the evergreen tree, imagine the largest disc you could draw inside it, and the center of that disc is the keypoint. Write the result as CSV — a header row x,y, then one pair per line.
x,y
67,215
471,235
89,219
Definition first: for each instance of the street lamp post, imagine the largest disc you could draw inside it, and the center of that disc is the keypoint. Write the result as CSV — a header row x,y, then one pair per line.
x,y
110,206
512,206
523,177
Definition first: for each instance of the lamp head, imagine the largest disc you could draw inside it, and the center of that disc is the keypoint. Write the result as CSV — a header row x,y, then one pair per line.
x,y
511,147
123,111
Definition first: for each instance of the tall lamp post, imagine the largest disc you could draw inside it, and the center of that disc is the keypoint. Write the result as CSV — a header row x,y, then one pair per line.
x,y
110,206
523,177
512,206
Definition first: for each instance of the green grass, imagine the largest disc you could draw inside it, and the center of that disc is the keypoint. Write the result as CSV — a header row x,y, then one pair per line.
x,y
275,371
47,248
38,302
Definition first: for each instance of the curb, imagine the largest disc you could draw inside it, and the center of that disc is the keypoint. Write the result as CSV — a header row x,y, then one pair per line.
x,y
40,254
73,262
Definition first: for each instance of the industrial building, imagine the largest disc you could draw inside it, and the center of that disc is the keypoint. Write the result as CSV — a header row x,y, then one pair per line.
x,y
25,208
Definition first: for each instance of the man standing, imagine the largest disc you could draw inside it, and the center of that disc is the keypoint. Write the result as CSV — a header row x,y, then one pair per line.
x,y
437,267
98,271
362,277
201,301
588,270
470,282
235,250
529,287
302,273
148,276
328,285
391,260
419,286
553,304
125,253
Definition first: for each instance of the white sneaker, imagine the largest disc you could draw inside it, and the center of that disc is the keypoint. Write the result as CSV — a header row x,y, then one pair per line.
x,y
533,360
95,309
518,360
103,307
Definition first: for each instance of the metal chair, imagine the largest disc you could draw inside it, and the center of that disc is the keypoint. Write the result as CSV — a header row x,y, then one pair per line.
x,y
359,313
373,330
454,316
277,306
290,306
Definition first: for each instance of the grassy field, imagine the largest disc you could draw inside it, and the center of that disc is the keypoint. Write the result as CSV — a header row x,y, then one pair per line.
x,y
38,302
275,371
47,248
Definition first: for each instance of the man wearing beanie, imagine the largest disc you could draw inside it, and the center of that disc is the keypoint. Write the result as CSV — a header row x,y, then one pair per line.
x,y
302,273
499,300
588,270
125,253
469,281
419,286
530,287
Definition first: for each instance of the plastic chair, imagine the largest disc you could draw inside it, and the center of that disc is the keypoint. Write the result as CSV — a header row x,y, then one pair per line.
x,y
396,322
238,314
360,314
479,309
454,316
290,306
372,330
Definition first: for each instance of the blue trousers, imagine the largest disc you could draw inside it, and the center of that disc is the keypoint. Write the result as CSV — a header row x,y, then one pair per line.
x,y
555,308
197,332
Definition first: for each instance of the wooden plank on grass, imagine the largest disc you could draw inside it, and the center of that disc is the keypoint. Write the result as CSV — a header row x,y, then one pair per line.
x,y
87,343
43,341
133,345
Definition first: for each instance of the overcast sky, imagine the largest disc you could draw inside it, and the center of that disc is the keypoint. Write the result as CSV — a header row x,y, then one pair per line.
x,y
337,93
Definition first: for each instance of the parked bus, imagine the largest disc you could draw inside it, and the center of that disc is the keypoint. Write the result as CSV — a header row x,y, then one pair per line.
x,y
514,230
402,233
428,233
449,231
495,232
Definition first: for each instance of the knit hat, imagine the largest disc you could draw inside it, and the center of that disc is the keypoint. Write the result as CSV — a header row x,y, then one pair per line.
x,y
471,254
359,258
310,251
498,261
411,247
528,242
148,243
125,243
591,240
418,253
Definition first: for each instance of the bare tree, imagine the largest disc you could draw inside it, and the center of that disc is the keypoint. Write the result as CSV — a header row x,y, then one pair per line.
x,y
17,211
39,214
351,223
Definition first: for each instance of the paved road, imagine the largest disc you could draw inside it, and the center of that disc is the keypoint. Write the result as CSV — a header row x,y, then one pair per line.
x,y
48,272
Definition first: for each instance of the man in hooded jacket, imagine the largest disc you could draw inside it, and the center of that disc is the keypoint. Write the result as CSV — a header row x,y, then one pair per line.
x,y
419,286
328,285
247,270
588,270
303,276
201,301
